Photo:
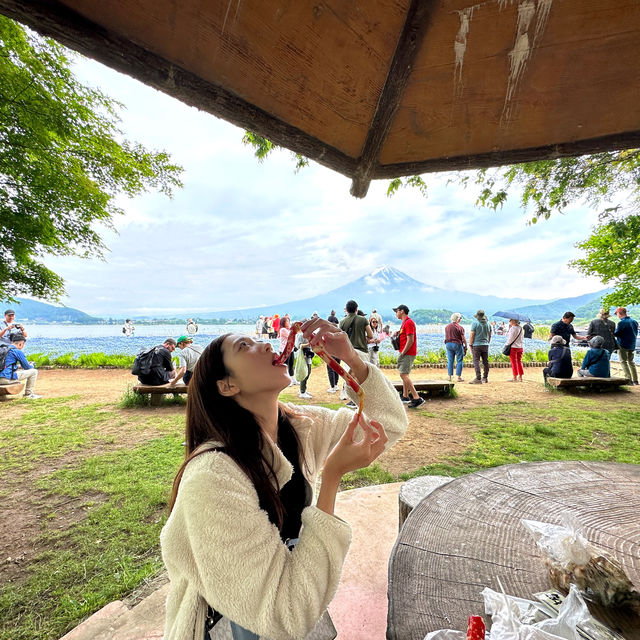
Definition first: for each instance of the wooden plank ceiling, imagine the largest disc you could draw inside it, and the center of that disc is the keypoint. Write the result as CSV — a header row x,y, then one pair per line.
x,y
380,88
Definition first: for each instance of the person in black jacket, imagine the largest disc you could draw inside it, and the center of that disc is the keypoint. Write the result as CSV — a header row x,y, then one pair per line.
x,y
559,365
162,370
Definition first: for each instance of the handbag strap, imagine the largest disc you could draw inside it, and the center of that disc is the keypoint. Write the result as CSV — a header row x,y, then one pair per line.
x,y
508,345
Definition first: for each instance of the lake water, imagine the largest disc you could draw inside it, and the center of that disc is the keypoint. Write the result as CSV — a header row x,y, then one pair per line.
x,y
109,339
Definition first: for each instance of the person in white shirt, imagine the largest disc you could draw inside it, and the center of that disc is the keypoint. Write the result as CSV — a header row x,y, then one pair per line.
x,y
188,357
515,339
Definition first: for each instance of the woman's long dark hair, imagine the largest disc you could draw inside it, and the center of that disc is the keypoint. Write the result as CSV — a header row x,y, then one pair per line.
x,y
214,417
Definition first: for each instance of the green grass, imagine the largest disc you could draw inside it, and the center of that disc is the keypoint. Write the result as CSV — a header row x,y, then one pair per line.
x,y
104,556
98,478
566,429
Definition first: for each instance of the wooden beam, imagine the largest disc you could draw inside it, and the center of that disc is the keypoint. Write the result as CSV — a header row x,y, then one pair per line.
x,y
54,19
415,26
626,140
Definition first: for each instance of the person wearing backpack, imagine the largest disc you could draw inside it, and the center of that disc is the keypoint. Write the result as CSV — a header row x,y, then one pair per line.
x,y
596,360
11,358
153,366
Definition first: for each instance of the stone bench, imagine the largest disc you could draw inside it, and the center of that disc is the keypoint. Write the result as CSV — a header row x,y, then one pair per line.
x,y
413,491
157,392
11,391
429,387
597,384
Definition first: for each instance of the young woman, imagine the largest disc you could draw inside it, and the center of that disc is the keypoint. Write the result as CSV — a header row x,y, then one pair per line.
x,y
373,343
283,334
515,337
243,496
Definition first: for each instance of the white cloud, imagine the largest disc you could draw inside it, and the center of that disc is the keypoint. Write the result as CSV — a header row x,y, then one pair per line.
x,y
242,233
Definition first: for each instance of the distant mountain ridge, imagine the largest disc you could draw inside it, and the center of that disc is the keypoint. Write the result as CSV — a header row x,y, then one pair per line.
x,y
385,288
382,289
43,313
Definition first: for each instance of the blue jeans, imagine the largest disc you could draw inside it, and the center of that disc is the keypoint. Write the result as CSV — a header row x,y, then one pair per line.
x,y
454,350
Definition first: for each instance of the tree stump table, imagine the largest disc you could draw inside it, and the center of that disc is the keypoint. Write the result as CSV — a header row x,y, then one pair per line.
x,y
467,533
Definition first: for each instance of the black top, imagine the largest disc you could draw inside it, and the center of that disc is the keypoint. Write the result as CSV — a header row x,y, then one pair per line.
x,y
564,330
160,369
528,330
561,366
296,494
333,319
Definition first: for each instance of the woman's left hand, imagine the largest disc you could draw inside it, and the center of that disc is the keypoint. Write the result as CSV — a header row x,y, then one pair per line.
x,y
330,337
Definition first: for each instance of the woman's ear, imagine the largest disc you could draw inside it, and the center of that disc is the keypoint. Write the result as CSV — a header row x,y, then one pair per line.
x,y
227,388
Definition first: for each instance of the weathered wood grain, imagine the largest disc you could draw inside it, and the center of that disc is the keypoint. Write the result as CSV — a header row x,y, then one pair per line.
x,y
467,534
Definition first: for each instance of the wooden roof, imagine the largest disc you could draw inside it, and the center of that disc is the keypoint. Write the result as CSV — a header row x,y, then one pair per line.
x,y
380,88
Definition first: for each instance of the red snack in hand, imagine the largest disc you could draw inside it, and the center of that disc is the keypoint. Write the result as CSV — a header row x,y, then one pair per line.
x,y
475,628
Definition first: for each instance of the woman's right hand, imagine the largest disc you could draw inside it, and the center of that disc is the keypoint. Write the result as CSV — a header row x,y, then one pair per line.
x,y
349,455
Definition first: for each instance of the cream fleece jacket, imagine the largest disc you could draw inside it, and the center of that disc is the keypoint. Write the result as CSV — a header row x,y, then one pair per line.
x,y
220,548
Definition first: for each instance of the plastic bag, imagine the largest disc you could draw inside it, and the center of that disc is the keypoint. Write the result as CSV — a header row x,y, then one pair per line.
x,y
300,369
518,619
572,559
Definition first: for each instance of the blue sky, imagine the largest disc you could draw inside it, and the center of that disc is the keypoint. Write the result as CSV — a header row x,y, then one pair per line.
x,y
243,233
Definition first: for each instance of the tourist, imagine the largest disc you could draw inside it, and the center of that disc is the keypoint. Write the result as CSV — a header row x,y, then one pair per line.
x,y
359,332
192,327
565,329
626,334
331,374
596,361
188,357
305,352
515,339
560,364
528,330
244,536
408,351
373,344
9,326
376,316
283,334
15,358
501,330
159,369
276,323
479,339
128,328
455,344
605,328
260,326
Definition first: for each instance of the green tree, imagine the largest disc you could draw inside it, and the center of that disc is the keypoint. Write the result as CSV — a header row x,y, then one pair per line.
x,y
607,181
63,161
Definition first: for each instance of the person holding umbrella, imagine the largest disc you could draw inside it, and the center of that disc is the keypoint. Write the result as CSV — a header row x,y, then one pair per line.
x,y
516,342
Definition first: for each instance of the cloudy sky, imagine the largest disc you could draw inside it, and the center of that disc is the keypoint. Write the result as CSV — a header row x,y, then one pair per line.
x,y
243,233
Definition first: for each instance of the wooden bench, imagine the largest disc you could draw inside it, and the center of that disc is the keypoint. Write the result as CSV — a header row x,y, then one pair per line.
x,y
429,387
157,392
597,384
10,391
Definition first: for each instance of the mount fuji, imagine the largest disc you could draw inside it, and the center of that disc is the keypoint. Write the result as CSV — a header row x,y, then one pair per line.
x,y
382,289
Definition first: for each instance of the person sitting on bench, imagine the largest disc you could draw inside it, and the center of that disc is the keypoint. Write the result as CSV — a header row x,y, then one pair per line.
x,y
188,357
559,365
596,360
15,358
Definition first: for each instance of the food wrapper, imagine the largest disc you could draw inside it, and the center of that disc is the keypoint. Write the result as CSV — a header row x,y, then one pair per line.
x,y
572,559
